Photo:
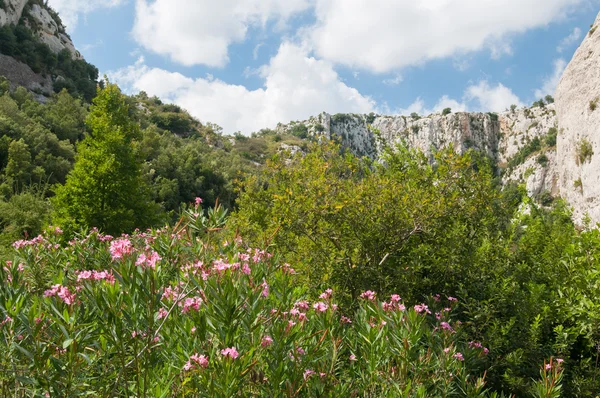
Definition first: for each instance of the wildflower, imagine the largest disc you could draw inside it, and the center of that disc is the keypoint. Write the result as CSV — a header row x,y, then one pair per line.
x,y
266,341
162,313
230,352
191,303
446,326
320,306
195,359
148,261
368,295
459,356
265,286
422,308
308,373
120,247
62,292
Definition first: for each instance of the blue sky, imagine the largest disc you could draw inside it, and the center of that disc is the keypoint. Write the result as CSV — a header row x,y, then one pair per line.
x,y
248,64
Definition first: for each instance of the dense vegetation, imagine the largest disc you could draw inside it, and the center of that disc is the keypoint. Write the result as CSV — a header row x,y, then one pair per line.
x,y
39,144
481,292
76,75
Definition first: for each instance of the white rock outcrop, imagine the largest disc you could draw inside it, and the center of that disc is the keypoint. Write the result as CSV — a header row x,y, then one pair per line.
x,y
44,25
12,11
578,111
504,137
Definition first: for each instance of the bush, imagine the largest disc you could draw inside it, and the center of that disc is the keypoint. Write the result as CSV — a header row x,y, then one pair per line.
x,y
299,130
593,104
446,111
533,146
551,137
415,116
542,160
187,312
584,151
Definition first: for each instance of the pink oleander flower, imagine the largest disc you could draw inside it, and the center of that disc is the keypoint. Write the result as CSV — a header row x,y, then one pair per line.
x,y
300,351
368,295
446,326
287,269
353,358
308,373
459,356
326,295
266,341
422,308
120,247
198,201
395,298
149,261
303,305
162,313
62,292
447,350
246,269
548,366
196,360
230,352
452,299
265,286
345,320
191,303
559,360
320,306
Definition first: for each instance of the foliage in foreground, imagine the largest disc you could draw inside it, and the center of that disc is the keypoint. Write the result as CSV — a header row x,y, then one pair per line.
x,y
184,312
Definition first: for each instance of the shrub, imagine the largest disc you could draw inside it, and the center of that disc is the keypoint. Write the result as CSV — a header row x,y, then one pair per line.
x,y
513,108
551,137
578,184
533,146
446,111
182,312
415,116
593,104
299,130
584,151
549,99
542,160
371,118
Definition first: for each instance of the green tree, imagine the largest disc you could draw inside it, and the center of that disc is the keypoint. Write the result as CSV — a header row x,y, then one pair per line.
x,y
18,168
105,189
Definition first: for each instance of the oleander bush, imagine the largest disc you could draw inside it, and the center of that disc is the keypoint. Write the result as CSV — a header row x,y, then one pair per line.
x,y
192,310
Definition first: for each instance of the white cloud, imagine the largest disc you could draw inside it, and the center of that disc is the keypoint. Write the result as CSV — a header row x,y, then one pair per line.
x,y
296,86
491,98
71,10
195,32
381,35
568,41
394,81
480,97
551,81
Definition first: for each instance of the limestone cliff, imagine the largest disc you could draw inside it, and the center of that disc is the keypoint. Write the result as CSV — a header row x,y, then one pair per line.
x,y
520,141
578,109
41,20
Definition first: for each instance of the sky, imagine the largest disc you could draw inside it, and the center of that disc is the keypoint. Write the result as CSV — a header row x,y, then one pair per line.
x,y
249,64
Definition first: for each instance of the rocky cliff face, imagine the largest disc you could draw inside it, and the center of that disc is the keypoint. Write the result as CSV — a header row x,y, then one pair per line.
x,y
41,21
520,141
578,109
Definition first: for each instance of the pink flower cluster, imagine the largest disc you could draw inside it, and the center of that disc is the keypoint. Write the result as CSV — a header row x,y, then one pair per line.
x,y
394,304
195,269
120,248
96,276
195,361
62,292
266,341
148,261
24,243
191,303
230,352
476,344
5,321
422,308
368,295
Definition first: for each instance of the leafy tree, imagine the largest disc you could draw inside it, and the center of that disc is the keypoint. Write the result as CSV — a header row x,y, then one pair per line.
x,y
105,189
19,167
446,111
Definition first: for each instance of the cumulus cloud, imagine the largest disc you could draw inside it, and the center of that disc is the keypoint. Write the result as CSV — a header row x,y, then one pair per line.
x,y
381,35
71,10
551,81
296,86
480,97
492,98
193,32
568,41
